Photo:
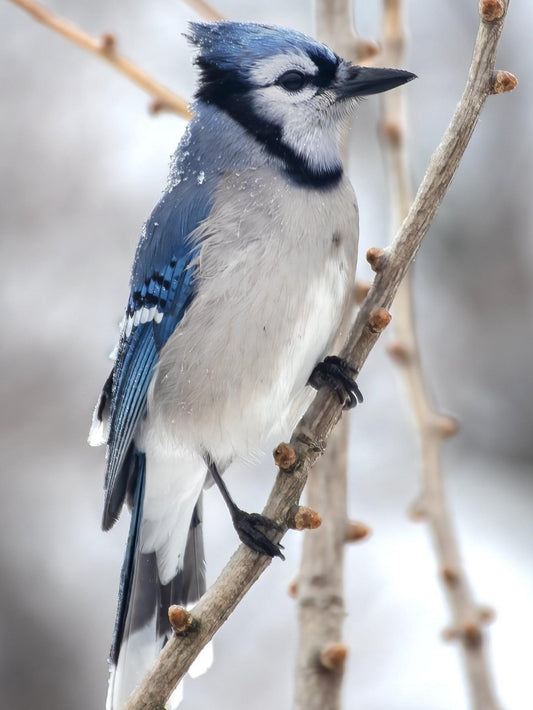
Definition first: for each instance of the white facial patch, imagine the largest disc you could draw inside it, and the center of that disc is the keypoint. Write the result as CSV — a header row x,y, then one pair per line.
x,y
317,142
310,119
310,122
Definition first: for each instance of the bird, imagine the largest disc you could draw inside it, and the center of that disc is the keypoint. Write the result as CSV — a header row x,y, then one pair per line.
x,y
240,282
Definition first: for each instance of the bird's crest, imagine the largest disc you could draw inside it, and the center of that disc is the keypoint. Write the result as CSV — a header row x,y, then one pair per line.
x,y
238,46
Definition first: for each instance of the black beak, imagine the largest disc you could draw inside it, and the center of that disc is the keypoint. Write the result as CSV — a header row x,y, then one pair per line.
x,y
362,81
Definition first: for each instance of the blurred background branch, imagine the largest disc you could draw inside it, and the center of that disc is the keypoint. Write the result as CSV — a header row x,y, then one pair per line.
x,y
335,26
320,584
205,10
432,426
106,48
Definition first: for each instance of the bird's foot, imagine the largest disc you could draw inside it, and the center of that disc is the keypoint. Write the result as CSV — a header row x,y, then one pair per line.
x,y
337,374
248,527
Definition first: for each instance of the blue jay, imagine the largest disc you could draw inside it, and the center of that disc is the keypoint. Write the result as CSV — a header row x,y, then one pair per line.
x,y
240,281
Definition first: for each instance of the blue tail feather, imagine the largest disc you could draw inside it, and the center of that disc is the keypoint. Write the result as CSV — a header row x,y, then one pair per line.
x,y
128,566
142,613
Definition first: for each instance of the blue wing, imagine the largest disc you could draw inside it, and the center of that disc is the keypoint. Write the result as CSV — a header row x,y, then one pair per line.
x,y
162,286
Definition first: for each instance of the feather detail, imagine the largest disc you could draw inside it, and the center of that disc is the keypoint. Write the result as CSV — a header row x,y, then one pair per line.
x,y
99,431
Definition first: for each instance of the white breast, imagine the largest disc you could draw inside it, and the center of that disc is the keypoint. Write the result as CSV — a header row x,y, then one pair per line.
x,y
275,270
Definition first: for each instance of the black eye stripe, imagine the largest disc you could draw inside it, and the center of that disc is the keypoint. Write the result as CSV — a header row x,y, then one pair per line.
x,y
327,69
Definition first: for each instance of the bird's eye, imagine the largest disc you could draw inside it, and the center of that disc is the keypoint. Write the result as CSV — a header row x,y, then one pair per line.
x,y
292,80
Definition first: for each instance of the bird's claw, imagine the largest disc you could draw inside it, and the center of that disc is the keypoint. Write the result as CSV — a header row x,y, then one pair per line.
x,y
337,374
248,527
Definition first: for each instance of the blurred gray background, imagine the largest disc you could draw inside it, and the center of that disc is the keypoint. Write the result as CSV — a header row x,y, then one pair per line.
x,y
82,165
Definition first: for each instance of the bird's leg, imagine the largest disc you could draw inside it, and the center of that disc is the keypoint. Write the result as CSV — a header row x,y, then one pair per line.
x,y
337,374
250,527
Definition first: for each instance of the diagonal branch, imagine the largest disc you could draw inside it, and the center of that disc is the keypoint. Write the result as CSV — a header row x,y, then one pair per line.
x,y
105,48
310,437
432,426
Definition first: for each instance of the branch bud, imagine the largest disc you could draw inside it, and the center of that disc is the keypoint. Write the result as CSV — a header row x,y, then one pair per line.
x,y
486,614
376,258
491,10
503,81
302,518
445,426
180,619
156,106
450,633
361,290
333,657
292,589
356,532
418,511
365,49
449,575
284,457
378,320
469,632
472,634
392,132
109,43
400,352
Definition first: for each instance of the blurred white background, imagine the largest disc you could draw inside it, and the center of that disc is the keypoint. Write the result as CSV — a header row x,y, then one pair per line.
x,y
82,165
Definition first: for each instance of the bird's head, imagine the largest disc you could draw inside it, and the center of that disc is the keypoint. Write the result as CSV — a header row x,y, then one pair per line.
x,y
289,91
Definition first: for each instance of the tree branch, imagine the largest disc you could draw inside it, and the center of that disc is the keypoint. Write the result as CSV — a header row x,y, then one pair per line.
x,y
310,437
105,48
432,426
320,593
320,589
204,10
335,25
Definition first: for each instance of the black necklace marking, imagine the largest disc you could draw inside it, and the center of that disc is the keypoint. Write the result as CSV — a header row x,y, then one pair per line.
x,y
232,95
